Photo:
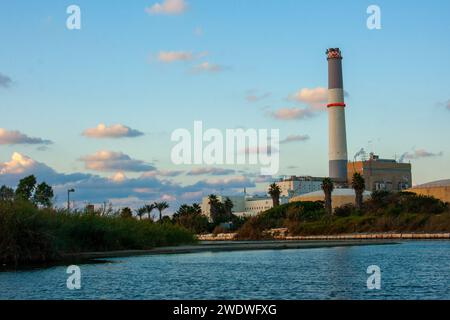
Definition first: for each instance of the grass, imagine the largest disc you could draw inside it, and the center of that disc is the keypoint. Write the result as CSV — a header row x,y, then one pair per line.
x,y
32,235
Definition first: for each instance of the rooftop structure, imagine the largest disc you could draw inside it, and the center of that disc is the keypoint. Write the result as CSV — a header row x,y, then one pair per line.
x,y
382,174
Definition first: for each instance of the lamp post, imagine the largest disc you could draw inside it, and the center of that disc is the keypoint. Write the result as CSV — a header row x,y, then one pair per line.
x,y
68,198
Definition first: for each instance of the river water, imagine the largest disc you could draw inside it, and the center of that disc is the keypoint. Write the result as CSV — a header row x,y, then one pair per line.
x,y
409,270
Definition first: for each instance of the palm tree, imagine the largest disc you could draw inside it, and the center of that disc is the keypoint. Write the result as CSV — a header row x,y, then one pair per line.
x,y
274,192
228,207
328,187
359,185
148,209
161,206
141,211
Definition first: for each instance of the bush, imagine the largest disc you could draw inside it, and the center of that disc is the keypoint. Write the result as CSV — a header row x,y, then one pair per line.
x,y
29,234
345,211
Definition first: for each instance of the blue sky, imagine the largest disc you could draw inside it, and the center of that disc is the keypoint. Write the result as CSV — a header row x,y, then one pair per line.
x,y
58,82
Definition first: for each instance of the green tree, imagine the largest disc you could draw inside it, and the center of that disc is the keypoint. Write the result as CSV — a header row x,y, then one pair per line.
x,y
141,211
148,209
126,213
161,206
43,195
6,193
328,187
26,187
228,207
274,192
216,210
191,218
359,185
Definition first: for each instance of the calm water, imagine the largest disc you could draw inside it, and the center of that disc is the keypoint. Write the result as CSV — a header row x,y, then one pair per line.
x,y
411,270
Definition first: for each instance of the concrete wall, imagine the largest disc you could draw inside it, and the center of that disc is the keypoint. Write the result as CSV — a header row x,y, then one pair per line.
x,y
337,200
441,193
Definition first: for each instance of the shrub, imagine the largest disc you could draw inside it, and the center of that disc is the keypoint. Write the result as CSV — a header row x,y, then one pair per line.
x,y
29,234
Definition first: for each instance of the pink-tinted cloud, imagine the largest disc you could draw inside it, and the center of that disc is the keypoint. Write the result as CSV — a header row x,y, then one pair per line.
x,y
12,137
168,7
114,131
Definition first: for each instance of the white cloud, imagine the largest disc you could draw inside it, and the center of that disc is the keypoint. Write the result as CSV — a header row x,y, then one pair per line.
x,y
315,98
172,56
163,173
118,189
295,138
119,177
207,67
17,165
114,161
113,131
253,96
21,165
210,171
16,137
168,7
292,113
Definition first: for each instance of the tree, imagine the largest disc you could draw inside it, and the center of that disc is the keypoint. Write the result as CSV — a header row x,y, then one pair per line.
x,y
148,209
228,207
359,185
191,218
26,188
43,195
217,211
6,193
126,213
141,211
161,206
328,187
274,192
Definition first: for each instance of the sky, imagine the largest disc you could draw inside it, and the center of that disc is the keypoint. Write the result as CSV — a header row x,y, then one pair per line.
x,y
94,108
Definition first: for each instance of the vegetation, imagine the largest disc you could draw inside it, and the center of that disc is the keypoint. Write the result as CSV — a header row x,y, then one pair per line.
x,y
359,185
274,192
31,231
161,206
328,187
30,235
383,212
191,218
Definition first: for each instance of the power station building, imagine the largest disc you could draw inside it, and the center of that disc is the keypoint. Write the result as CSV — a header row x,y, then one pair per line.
x,y
296,186
382,174
243,205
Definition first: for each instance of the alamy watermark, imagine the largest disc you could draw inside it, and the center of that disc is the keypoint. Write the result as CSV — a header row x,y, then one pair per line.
x,y
374,280
73,21
374,20
74,280
235,147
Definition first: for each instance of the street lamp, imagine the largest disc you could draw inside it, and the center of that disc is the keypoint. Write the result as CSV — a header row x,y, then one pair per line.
x,y
68,198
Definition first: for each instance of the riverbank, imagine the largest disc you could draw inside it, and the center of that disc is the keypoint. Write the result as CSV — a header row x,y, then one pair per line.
x,y
280,234
214,246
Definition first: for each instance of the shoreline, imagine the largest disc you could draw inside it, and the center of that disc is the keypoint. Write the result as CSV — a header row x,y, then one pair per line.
x,y
277,235
227,246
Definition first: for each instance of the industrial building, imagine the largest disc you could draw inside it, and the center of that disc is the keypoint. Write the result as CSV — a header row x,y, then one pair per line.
x,y
382,174
243,205
296,186
438,189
